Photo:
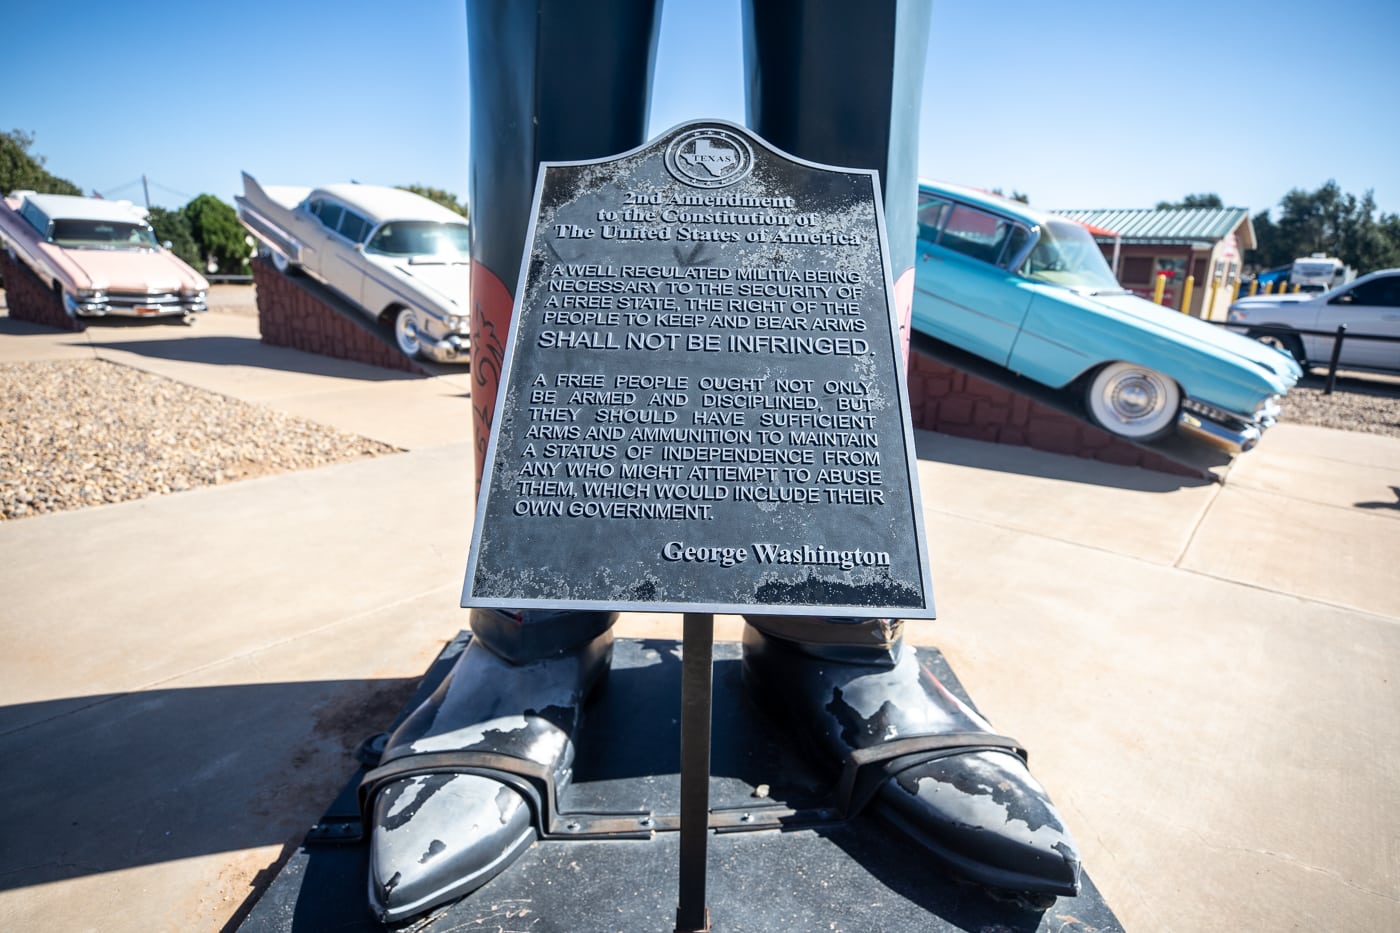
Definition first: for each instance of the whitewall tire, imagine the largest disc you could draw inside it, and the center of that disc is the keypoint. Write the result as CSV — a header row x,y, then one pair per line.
x,y
406,333
1133,402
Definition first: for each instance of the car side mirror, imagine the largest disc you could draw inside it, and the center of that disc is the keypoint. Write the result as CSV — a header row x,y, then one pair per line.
x,y
167,244
359,247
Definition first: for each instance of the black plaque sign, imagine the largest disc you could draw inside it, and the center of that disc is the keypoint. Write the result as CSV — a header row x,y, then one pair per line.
x,y
702,408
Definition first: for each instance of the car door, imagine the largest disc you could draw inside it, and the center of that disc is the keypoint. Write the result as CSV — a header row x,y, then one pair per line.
x,y
1370,308
343,263
314,220
968,296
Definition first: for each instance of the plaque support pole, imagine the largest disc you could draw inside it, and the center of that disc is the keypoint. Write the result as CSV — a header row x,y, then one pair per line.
x,y
697,654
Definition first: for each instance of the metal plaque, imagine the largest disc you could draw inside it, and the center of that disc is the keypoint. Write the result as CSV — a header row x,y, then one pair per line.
x,y
703,404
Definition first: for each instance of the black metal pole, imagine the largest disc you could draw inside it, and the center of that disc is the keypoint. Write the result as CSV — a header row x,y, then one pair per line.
x,y
1336,355
697,653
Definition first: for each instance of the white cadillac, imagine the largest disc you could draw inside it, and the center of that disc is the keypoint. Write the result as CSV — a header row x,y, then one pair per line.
x,y
400,258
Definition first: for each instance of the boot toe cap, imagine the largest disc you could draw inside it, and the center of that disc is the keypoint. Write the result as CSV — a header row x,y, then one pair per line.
x,y
988,818
436,837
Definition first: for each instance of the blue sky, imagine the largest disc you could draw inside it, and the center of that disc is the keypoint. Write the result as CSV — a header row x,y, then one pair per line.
x,y
1078,104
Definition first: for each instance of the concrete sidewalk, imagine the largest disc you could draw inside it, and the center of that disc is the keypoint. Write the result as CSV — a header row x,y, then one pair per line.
x,y
1205,674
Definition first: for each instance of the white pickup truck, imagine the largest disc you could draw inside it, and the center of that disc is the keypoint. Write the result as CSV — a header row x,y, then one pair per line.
x,y
1369,306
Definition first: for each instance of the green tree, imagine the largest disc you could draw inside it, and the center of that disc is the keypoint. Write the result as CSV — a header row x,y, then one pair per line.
x,y
19,168
1014,195
1268,248
1328,221
1192,200
446,198
218,234
172,227
1389,225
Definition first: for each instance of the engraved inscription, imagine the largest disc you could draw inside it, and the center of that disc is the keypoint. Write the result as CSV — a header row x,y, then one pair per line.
x,y
702,405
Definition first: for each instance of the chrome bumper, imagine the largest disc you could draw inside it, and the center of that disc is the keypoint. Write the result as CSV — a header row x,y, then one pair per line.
x,y
1224,429
125,305
450,349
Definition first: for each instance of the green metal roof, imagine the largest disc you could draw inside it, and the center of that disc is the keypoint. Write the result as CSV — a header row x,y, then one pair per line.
x,y
1172,225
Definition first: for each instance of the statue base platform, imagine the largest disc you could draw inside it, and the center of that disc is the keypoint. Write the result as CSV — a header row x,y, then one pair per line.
x,y
856,875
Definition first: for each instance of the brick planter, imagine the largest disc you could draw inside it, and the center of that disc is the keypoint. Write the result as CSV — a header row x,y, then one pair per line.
x,y
29,300
948,400
298,313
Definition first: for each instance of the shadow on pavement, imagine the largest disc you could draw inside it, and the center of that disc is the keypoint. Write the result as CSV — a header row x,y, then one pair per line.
x,y
101,783
1383,505
943,448
245,351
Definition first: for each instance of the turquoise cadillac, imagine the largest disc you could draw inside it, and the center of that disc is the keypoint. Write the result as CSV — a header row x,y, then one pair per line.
x,y
1033,293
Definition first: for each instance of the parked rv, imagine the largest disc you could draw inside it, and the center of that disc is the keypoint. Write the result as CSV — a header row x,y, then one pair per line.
x,y
1319,273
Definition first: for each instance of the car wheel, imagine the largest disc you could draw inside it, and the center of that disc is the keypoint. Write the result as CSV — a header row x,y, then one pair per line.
x,y
406,333
1288,343
70,308
1133,402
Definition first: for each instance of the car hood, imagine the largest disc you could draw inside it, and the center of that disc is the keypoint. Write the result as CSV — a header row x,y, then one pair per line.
x,y
1212,335
447,283
135,270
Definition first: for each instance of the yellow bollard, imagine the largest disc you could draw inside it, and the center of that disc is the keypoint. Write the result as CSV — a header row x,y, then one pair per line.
x,y
1209,309
1186,294
1296,289
1161,287
1253,287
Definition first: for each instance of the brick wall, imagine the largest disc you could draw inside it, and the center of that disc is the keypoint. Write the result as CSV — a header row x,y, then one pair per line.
x,y
947,400
30,300
292,314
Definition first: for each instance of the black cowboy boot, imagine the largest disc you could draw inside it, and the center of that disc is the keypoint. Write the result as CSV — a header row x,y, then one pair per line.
x,y
454,813
849,688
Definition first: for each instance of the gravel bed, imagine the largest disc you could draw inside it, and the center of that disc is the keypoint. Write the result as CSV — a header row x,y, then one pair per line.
x,y
74,434
1370,405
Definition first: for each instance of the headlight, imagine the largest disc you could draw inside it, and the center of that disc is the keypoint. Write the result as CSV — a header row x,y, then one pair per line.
x,y
455,321
92,294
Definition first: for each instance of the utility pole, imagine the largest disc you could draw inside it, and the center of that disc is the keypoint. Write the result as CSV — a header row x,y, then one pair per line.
x,y
147,189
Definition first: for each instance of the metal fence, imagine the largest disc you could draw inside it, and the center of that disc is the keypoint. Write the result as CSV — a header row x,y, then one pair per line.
x,y
1339,336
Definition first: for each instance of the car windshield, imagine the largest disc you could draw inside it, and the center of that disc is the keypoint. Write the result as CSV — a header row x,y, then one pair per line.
x,y
423,238
102,234
1067,255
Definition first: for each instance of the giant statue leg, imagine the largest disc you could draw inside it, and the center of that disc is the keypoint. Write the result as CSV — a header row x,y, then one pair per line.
x,y
839,83
550,80
555,80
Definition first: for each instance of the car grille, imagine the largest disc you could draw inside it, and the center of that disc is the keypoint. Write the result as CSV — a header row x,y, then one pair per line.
x,y
143,299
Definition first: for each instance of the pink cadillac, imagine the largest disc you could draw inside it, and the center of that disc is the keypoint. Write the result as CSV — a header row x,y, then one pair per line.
x,y
99,257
